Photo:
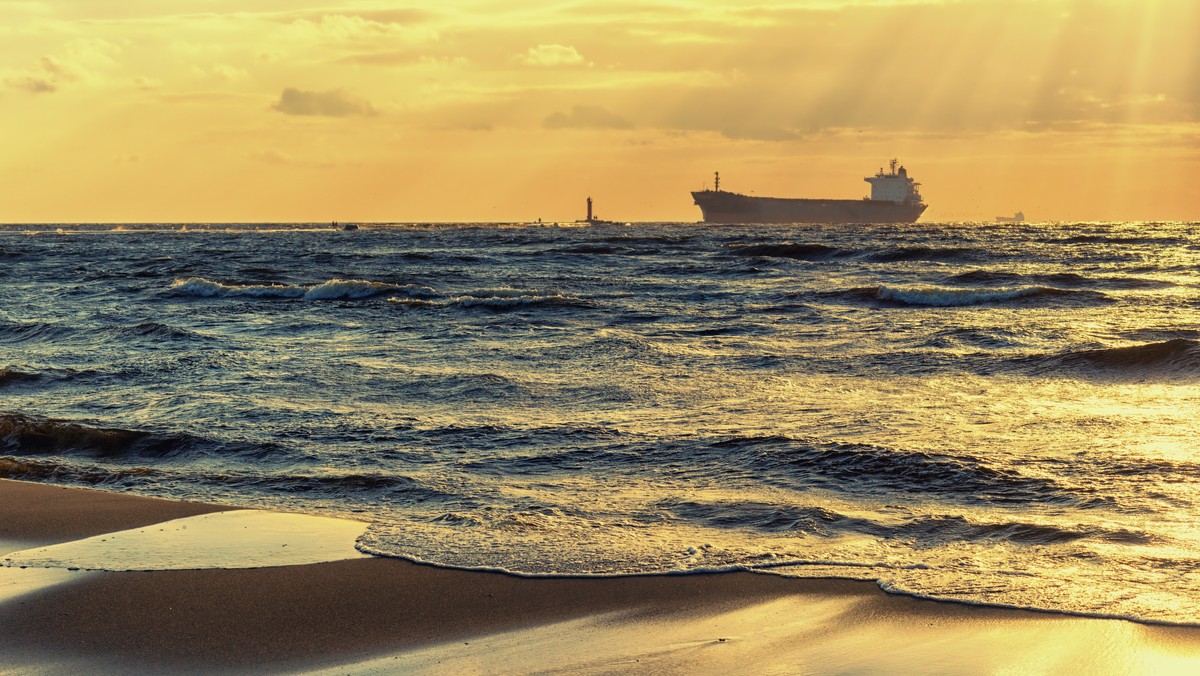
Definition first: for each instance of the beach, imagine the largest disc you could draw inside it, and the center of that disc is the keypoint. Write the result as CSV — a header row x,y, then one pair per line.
x,y
379,615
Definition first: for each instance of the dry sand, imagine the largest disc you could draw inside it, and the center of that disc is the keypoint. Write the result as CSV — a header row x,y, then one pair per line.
x,y
378,615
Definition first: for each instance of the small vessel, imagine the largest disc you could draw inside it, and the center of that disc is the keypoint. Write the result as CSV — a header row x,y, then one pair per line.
x,y
350,226
894,199
1015,218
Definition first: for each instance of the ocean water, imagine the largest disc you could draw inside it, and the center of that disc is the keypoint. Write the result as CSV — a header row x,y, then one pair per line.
x,y
1001,414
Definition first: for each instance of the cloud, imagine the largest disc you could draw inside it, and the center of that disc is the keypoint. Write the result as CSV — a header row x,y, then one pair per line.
x,y
230,73
271,156
147,83
356,30
83,62
333,103
550,56
586,117
222,72
404,58
32,84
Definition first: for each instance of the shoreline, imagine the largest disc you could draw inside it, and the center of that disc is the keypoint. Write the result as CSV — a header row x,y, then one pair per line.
x,y
373,615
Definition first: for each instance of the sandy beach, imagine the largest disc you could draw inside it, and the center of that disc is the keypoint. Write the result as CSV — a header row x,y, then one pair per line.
x,y
377,615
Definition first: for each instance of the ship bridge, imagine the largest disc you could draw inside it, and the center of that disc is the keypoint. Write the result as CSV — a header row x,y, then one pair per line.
x,y
894,186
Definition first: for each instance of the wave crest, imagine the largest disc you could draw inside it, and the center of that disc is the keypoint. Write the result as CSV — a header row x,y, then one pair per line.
x,y
953,297
1179,357
28,435
12,377
334,289
510,299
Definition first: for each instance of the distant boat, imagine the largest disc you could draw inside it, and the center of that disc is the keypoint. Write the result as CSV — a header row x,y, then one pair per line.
x,y
1015,218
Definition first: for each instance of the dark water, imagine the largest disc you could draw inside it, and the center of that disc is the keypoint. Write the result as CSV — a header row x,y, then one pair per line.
x,y
989,413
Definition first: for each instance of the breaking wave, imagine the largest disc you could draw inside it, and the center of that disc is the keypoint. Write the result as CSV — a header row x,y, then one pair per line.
x,y
334,289
510,299
497,300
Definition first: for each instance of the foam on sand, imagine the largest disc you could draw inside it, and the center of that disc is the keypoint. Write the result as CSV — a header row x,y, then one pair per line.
x,y
234,539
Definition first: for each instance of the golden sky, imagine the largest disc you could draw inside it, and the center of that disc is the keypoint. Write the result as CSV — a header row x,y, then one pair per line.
x,y
301,110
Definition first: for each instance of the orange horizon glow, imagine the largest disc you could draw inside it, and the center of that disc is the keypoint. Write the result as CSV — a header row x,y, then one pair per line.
x,y
293,110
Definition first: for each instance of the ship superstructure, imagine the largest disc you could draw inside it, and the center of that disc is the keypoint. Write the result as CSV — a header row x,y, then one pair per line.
x,y
895,198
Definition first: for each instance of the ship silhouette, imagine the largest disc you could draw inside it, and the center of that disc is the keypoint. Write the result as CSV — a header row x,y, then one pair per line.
x,y
894,199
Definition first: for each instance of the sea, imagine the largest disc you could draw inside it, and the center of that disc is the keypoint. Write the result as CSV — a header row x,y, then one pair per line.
x,y
1000,414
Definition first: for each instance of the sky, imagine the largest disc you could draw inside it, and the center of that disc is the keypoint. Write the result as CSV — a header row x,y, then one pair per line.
x,y
365,110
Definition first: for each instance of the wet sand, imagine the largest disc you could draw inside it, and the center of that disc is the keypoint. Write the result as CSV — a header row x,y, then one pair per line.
x,y
376,615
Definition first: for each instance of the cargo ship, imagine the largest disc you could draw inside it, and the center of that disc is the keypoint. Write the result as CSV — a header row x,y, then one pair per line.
x,y
894,199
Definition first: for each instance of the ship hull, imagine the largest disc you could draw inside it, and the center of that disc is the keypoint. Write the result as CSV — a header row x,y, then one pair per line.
x,y
728,207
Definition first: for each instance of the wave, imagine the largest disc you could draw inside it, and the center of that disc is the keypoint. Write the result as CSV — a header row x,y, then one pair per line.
x,y
27,435
155,330
1114,239
35,435
19,332
931,530
1177,357
1061,279
511,299
849,466
11,377
458,387
790,463
922,253
589,249
804,252
334,289
399,489
817,252
37,469
951,297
